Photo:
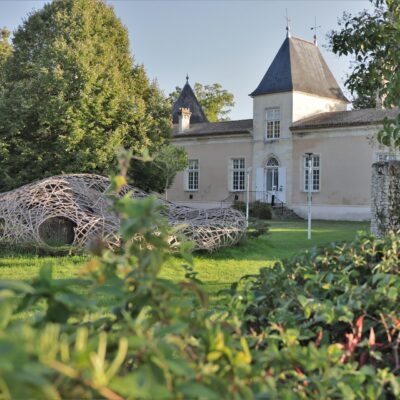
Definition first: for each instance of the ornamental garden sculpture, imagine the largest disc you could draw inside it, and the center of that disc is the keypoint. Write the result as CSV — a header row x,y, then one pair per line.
x,y
70,210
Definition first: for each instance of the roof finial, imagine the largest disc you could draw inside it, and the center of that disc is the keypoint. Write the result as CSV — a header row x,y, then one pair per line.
x,y
287,25
187,78
314,28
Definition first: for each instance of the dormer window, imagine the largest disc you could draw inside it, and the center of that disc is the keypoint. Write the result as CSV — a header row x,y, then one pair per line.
x,y
273,123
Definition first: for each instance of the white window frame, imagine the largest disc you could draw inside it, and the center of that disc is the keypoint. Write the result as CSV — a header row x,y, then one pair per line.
x,y
240,170
272,123
190,171
316,170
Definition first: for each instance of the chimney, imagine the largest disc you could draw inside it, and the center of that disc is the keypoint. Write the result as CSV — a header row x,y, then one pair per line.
x,y
184,119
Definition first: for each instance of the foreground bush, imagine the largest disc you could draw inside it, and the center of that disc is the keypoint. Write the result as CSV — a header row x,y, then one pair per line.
x,y
347,294
161,340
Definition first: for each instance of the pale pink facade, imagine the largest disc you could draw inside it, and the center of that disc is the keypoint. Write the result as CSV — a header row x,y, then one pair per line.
x,y
267,152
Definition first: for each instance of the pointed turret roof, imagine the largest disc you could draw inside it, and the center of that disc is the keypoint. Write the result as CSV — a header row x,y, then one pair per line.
x,y
299,66
187,99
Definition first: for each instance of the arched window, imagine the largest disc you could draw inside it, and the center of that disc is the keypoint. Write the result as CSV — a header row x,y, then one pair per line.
x,y
272,162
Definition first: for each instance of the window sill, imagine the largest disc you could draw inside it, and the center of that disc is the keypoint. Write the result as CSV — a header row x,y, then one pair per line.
x,y
271,140
191,190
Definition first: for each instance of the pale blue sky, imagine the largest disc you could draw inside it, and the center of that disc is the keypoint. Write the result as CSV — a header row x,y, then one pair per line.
x,y
230,42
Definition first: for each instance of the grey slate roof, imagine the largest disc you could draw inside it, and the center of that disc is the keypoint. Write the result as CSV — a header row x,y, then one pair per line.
x,y
187,99
369,116
216,128
299,66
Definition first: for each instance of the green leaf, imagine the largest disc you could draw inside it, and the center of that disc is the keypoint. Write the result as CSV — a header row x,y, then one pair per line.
x,y
180,368
198,391
46,273
392,293
7,304
16,286
346,391
214,355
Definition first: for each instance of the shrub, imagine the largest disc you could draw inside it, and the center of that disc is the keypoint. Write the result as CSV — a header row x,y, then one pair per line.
x,y
261,210
257,228
347,294
257,209
240,206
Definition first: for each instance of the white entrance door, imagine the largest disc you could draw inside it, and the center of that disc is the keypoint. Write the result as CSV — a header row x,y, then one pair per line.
x,y
272,179
271,182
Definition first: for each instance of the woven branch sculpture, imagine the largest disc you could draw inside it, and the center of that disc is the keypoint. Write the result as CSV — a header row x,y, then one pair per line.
x,y
73,209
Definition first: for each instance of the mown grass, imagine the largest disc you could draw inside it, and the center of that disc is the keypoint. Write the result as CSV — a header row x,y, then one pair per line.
x,y
285,238
217,270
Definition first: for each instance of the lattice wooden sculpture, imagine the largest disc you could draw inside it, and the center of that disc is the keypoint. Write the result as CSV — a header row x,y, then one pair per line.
x,y
73,209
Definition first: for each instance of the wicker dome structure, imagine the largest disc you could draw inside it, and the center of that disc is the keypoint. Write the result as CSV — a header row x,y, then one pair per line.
x,y
71,210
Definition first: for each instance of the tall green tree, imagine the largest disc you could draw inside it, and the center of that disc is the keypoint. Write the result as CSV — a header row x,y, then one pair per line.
x,y
169,161
72,94
216,102
157,112
5,52
158,174
373,38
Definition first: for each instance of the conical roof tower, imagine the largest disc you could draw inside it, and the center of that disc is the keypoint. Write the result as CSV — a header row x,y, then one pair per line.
x,y
187,99
299,66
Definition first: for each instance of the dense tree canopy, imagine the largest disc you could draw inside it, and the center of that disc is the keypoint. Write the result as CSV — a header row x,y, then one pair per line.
x,y
72,95
158,174
157,113
373,39
216,102
5,51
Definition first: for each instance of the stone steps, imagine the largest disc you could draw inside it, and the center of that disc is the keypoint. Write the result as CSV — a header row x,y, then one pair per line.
x,y
280,212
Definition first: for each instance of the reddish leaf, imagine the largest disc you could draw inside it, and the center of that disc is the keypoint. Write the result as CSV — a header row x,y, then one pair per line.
x,y
301,375
320,335
396,322
371,340
298,370
359,327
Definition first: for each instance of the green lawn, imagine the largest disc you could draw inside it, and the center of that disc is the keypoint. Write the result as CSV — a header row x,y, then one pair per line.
x,y
285,239
217,270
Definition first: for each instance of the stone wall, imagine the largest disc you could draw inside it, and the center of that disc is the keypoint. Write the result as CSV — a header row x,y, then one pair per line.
x,y
385,197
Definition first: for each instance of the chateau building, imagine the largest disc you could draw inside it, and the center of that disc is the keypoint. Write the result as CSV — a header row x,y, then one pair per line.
x,y
298,108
